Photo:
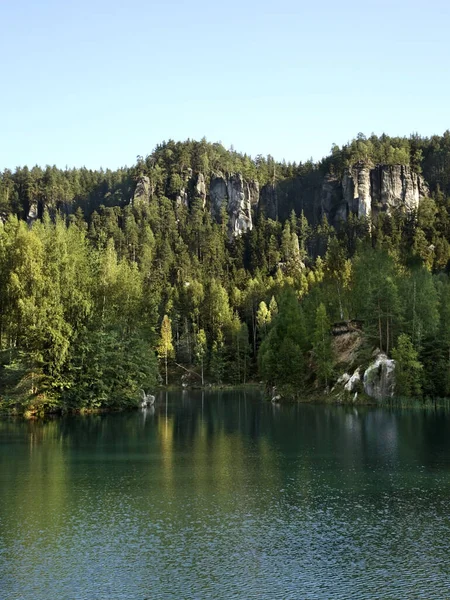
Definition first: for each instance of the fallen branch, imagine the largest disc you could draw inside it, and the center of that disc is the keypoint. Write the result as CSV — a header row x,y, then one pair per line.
x,y
188,370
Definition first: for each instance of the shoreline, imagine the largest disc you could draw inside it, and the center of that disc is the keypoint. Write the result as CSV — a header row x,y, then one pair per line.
x,y
286,398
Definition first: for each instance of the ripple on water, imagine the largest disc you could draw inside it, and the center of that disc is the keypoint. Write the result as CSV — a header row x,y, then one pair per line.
x,y
304,508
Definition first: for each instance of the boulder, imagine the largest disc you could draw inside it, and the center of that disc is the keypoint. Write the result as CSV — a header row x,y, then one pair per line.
x,y
353,382
379,378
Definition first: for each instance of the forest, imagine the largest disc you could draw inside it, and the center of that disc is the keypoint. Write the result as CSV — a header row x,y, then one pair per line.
x,y
101,297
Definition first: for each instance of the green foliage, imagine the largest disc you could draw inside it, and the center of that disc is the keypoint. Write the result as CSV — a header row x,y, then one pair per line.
x,y
322,349
82,296
165,346
408,369
108,370
282,353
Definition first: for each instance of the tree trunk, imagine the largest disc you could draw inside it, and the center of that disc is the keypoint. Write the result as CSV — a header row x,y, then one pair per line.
x,y
379,327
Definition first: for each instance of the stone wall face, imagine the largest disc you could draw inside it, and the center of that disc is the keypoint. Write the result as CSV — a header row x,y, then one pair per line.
x,y
362,190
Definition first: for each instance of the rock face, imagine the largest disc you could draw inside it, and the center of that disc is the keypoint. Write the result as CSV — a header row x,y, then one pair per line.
x,y
362,190
218,194
143,191
253,192
36,209
239,207
236,195
368,192
356,191
330,199
268,201
200,189
182,198
33,213
379,378
353,382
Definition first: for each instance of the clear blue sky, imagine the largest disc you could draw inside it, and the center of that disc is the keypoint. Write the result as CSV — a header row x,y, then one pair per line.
x,y
98,82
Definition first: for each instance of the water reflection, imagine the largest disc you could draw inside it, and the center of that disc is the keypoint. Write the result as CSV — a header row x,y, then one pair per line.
x,y
221,496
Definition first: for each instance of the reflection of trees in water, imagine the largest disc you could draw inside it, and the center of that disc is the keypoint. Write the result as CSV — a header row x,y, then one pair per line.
x,y
223,443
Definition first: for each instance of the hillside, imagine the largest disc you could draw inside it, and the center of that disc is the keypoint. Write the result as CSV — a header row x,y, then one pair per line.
x,y
230,266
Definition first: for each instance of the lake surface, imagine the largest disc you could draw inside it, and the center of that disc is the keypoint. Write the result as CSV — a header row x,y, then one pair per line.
x,y
223,496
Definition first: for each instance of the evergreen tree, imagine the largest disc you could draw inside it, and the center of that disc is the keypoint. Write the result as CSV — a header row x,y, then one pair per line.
x,y
322,349
408,369
281,355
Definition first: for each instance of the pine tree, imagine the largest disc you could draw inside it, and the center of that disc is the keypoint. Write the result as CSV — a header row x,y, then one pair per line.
x,y
408,369
322,349
281,355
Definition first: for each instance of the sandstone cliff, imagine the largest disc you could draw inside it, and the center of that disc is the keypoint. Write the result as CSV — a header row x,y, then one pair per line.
x,y
143,191
237,197
362,190
367,192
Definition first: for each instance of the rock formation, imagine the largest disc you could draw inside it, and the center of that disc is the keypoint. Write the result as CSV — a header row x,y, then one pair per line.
x,y
33,213
238,207
381,189
362,190
352,383
379,378
218,195
268,201
236,196
200,189
143,191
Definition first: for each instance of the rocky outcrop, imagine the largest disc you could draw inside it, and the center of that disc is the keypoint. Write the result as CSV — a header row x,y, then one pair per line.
x,y
353,382
236,195
356,191
268,201
331,199
379,378
218,193
238,207
182,198
367,192
185,193
252,190
33,213
396,186
143,191
363,190
36,209
200,189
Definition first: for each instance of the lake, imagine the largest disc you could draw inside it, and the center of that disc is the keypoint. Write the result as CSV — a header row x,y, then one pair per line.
x,y
221,495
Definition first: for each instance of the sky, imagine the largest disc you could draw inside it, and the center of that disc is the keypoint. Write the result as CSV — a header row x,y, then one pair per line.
x,y
96,83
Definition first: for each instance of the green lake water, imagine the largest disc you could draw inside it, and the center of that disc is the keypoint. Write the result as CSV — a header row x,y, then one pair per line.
x,y
220,495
